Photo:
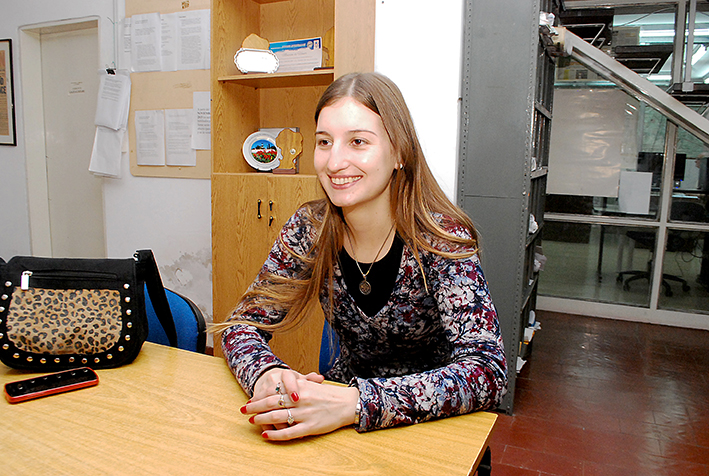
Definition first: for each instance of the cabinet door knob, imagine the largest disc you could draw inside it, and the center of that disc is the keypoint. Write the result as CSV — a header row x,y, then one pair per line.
x,y
270,220
258,213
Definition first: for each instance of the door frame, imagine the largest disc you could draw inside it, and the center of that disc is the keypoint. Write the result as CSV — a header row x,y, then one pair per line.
x,y
34,133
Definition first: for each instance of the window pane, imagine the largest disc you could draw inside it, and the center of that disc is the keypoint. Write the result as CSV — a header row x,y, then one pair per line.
x,y
597,262
691,179
686,272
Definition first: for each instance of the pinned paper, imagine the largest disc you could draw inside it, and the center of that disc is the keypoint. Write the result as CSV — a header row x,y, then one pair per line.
x,y
178,138
201,120
111,121
150,137
107,152
113,100
634,192
146,42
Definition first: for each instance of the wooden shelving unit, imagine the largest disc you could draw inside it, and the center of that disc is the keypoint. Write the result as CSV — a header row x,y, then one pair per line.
x,y
244,103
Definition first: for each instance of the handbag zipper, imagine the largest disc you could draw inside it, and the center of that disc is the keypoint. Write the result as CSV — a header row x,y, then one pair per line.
x,y
79,275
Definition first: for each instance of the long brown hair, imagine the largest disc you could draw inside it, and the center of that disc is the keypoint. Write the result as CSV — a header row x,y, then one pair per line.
x,y
415,198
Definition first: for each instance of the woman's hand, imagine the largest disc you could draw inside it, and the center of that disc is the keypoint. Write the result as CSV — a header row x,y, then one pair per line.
x,y
314,408
288,381
279,382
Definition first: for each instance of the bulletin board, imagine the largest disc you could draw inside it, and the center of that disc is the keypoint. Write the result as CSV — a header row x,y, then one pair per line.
x,y
166,90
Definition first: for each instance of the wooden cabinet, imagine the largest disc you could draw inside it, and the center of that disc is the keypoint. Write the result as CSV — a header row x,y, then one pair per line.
x,y
248,213
243,103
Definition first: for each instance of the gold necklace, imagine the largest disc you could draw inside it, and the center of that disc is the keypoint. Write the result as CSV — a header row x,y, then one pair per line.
x,y
364,286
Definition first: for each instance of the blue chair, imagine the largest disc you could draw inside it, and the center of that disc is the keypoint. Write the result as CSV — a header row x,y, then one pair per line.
x,y
189,323
329,348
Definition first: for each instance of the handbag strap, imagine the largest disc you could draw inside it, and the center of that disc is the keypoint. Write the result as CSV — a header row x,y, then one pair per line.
x,y
148,271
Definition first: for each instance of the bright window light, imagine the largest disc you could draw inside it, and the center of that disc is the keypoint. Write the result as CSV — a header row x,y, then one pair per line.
x,y
701,51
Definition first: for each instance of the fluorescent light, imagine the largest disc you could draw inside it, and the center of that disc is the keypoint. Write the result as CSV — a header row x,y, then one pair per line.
x,y
657,33
659,77
671,33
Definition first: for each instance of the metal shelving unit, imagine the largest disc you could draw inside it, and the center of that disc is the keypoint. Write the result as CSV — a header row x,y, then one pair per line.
x,y
507,98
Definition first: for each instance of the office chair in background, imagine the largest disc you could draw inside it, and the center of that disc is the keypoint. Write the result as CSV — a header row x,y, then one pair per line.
x,y
329,348
682,210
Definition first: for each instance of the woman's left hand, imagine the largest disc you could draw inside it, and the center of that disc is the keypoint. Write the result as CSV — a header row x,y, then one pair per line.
x,y
320,408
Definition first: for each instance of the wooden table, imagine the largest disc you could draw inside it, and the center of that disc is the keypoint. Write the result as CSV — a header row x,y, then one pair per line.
x,y
176,412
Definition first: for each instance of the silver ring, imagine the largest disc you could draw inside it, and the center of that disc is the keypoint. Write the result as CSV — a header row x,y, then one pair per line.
x,y
290,420
282,401
278,387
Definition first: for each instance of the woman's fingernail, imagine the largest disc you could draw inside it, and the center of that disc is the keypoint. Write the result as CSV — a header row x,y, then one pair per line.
x,y
243,409
251,420
265,435
294,396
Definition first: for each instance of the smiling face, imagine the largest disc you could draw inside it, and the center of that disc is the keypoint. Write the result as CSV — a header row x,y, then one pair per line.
x,y
354,159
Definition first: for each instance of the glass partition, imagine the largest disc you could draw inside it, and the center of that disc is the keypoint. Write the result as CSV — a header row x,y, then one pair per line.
x,y
685,278
603,263
685,267
690,195
624,181
597,249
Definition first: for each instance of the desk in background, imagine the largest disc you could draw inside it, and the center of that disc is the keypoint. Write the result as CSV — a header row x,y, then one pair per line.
x,y
177,412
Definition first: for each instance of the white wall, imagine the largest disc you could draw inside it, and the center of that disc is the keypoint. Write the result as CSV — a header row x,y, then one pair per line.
x,y
173,216
14,215
418,45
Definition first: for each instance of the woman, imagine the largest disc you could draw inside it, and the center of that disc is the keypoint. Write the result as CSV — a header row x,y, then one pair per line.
x,y
394,265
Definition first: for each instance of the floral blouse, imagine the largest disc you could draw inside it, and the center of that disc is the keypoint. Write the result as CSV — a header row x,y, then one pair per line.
x,y
424,355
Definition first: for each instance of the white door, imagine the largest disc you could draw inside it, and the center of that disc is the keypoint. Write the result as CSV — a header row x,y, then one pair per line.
x,y
70,87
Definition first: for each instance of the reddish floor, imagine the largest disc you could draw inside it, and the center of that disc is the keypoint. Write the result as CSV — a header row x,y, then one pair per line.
x,y
607,397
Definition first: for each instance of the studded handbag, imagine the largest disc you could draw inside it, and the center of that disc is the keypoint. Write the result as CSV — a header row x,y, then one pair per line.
x,y
60,313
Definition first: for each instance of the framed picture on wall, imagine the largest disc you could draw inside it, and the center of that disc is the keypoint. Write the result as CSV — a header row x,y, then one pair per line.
x,y
7,101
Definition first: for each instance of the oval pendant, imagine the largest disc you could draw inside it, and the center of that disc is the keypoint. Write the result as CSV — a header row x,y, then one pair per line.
x,y
364,287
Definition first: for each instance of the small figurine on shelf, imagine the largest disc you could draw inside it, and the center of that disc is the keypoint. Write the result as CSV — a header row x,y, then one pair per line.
x,y
290,144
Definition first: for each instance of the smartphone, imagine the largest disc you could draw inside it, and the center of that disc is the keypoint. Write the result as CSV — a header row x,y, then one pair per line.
x,y
51,384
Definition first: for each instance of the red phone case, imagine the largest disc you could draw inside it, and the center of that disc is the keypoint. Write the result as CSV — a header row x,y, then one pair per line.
x,y
50,384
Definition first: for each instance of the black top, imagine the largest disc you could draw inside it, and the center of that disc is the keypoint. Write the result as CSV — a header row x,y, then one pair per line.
x,y
382,277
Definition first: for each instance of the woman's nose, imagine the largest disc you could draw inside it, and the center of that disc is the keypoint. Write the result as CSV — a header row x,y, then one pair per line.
x,y
337,159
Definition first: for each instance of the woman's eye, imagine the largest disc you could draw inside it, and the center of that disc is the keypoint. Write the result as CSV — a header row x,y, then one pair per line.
x,y
359,142
322,142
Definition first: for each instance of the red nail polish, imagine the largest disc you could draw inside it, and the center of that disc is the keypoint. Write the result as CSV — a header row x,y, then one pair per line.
x,y
251,420
243,409
294,396
265,435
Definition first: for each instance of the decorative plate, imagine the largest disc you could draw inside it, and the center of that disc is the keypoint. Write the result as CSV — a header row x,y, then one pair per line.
x,y
261,152
256,61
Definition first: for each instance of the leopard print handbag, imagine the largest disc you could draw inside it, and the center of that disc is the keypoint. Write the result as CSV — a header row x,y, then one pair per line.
x,y
63,313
